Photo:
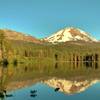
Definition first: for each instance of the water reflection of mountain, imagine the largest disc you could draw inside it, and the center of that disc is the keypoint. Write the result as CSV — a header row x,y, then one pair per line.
x,y
14,77
70,87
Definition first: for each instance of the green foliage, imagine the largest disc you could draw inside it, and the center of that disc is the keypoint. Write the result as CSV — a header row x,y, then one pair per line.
x,y
28,51
15,62
62,51
1,36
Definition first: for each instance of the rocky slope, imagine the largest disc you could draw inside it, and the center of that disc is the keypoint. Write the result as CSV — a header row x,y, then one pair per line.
x,y
13,35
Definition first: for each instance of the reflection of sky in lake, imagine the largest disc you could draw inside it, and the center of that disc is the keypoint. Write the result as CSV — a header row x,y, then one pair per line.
x,y
46,93
78,77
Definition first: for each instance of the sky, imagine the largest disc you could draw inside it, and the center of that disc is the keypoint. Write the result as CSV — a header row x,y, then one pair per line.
x,y
41,18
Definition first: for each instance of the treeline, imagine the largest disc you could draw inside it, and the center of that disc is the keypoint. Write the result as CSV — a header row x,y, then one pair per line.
x,y
60,52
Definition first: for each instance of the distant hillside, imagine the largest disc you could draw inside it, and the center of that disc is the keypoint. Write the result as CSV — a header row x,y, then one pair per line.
x,y
13,35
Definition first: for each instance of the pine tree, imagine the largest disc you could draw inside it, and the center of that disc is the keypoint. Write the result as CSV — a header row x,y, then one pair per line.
x,y
2,37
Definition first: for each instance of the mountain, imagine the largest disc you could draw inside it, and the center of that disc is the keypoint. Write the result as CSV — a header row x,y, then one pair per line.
x,y
64,35
68,86
69,34
13,35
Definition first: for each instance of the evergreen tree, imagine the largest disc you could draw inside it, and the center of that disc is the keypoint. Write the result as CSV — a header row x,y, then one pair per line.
x,y
2,37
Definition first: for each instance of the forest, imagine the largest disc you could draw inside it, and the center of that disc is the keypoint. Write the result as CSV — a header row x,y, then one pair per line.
x,y
23,51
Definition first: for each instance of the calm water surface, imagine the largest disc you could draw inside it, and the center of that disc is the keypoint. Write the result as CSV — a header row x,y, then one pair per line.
x,y
54,81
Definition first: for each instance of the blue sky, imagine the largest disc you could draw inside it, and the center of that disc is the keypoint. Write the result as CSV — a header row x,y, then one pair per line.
x,y
41,18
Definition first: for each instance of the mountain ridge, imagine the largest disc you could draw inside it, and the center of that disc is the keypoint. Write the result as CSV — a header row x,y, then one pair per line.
x,y
13,35
69,34
65,35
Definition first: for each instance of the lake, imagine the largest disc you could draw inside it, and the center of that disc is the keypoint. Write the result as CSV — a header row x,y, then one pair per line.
x,y
53,81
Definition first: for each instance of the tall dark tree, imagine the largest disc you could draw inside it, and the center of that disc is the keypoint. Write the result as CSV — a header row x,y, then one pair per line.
x,y
2,37
56,56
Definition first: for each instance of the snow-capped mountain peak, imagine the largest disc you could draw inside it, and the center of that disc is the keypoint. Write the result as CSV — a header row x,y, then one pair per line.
x,y
70,34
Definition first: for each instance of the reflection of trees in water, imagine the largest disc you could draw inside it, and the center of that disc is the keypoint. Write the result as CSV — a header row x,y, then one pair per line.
x,y
87,64
26,68
77,60
96,65
77,65
56,65
3,82
3,79
77,57
56,69
91,64
56,56
69,70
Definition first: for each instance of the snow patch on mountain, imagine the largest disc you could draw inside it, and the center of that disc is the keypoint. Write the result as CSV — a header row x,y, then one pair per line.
x,y
70,34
